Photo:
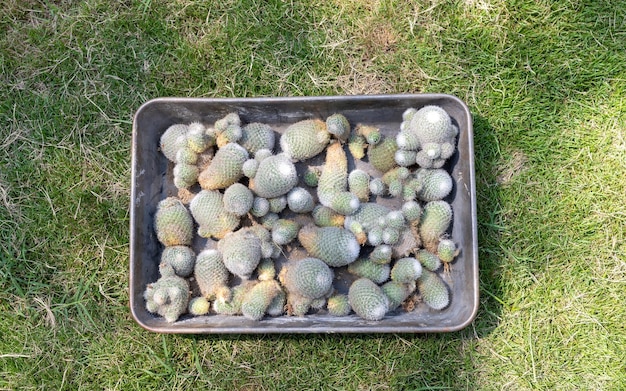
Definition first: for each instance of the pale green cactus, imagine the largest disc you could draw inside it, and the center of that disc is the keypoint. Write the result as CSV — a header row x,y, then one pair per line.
x,y
376,272
391,235
357,145
406,270
207,208
446,250
434,222
172,223
300,200
181,258
333,245
407,141
275,176
397,292
408,114
284,231
257,136
431,124
305,139
309,278
382,155
186,155
211,275
199,306
168,297
428,260
371,134
395,219
338,305
381,254
277,306
249,168
311,176
405,158
225,168
257,300
260,207
324,216
263,154
198,140
333,183
338,126
173,139
269,219
241,252
278,204
232,305
298,305
375,236
377,187
229,119
367,299
412,211
359,184
436,184
266,270
238,199
433,290
366,217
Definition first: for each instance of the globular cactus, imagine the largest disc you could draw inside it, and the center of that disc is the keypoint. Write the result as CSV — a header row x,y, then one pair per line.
x,y
431,124
300,200
367,215
333,183
382,155
258,299
241,252
257,136
185,175
367,299
186,155
357,145
238,199
211,275
335,246
284,231
277,306
249,168
172,223
232,134
405,158
173,139
181,258
309,278
338,126
323,216
375,236
395,219
412,211
407,141
359,184
408,114
207,208
168,297
305,139
435,220
428,260
311,176
381,254
278,204
260,207
376,272
433,290
263,154
232,305
275,176
338,305
406,270
198,140
229,119
298,305
397,292
436,184
377,187
446,250
225,168
199,306
269,219
371,133
266,270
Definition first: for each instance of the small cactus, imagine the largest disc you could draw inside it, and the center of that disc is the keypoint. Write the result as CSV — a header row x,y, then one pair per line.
x,y
284,231
382,155
376,272
433,290
168,297
397,292
333,245
323,216
338,126
359,184
257,136
241,252
278,204
181,258
211,275
238,199
305,139
428,260
333,183
275,176
436,218
446,250
199,306
225,168
356,146
299,200
436,184
257,300
367,299
406,270
309,277
371,133
173,223
173,139
207,208
338,305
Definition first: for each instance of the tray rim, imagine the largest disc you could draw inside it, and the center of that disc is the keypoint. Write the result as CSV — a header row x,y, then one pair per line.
x,y
413,329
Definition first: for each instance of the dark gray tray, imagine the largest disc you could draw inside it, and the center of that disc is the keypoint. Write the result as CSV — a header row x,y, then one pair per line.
x,y
150,184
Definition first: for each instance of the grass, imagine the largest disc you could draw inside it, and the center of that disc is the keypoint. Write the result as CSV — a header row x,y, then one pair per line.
x,y
544,81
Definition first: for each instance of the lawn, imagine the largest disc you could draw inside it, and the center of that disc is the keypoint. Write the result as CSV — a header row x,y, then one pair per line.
x,y
544,80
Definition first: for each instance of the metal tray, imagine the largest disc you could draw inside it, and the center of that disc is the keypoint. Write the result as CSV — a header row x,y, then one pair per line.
x,y
150,184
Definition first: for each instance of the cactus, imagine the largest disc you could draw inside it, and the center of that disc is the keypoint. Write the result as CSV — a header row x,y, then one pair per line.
x,y
397,292
309,278
436,134
232,134
260,207
173,139
311,176
333,245
382,155
338,305
436,184
207,208
371,133
229,119
238,199
357,145
332,187
412,211
181,258
406,270
435,220
300,200
199,306
407,141
367,299
225,168
168,297
325,217
428,260
197,138
185,175
258,299
186,155
173,223
232,305
391,235
408,114
266,270
376,272
211,275
257,136
304,139
377,187
275,176
263,154
446,250
269,220
366,217
407,243
250,167
278,204
284,231
405,158
375,236
277,306
359,184
298,305
433,290
395,219
338,126
381,254
241,252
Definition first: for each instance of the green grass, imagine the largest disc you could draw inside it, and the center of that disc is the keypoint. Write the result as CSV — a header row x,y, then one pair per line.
x,y
544,81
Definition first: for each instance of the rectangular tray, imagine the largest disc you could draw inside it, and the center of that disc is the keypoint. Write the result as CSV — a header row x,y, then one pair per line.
x,y
149,186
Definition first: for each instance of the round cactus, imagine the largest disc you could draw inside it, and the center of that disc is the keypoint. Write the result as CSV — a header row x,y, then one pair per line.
x,y
181,258
446,250
168,297
257,136
199,306
433,290
197,138
173,223
356,146
436,184
186,155
371,133
249,167
381,254
367,299
225,168
173,139
407,141
323,216
435,220
260,207
207,208
405,158
305,139
382,156
232,305
338,126
428,260
377,186
338,305
229,119
412,211
284,231
185,175
431,124
300,200
275,176
241,252
258,299
397,292
278,204
359,184
333,245
311,176
406,270
277,306
266,270
376,272
238,199
211,274
309,277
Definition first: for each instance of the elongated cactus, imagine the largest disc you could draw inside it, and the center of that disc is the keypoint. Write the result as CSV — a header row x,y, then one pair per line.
x,y
275,176
333,183
435,220
333,245
211,275
207,208
309,277
305,139
173,223
225,168
241,251
368,300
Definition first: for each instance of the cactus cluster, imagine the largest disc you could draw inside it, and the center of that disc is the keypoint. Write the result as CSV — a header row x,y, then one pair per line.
x,y
254,206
